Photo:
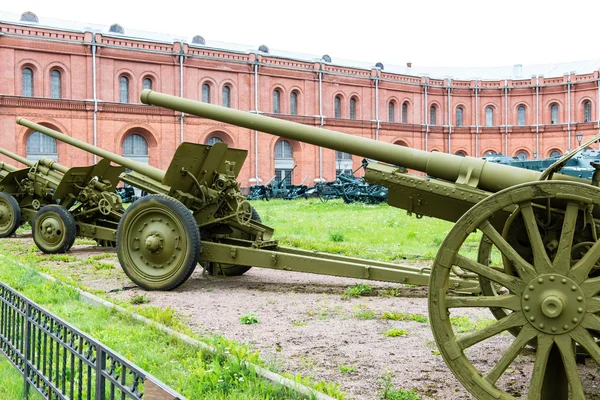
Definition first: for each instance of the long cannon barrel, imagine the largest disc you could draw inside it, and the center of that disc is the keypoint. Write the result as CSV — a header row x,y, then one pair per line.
x,y
29,163
492,177
149,171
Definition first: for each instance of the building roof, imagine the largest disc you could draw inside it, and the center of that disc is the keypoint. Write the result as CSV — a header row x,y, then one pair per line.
x,y
459,73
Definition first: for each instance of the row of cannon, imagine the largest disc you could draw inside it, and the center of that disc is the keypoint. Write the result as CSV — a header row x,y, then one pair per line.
x,y
526,242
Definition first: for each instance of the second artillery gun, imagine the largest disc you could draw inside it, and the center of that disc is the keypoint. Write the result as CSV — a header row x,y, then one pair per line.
x,y
544,290
61,203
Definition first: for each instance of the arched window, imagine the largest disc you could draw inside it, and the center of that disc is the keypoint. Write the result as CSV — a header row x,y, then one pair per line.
x,y
147,83
521,115
124,89
490,153
489,116
213,139
587,111
432,112
116,28
343,163
391,111
28,16
135,147
459,116
206,93
461,153
294,103
555,153
521,155
352,108
41,146
554,114
405,113
276,101
284,161
338,107
27,82
55,84
226,96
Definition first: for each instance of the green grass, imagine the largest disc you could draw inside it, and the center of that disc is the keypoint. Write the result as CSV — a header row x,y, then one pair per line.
x,y
359,289
466,324
395,332
398,316
188,369
249,319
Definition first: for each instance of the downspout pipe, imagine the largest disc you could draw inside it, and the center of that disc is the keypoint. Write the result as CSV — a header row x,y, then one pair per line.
x,y
95,94
449,119
506,115
182,116
537,116
256,112
476,117
321,118
569,112
426,115
377,103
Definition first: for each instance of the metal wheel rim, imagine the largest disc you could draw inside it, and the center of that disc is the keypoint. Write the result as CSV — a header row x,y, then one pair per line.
x,y
150,228
51,230
7,216
528,296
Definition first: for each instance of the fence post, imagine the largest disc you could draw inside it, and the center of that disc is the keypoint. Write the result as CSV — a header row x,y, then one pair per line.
x,y
26,350
100,365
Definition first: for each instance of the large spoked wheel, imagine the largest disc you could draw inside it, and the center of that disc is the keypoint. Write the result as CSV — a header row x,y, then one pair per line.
x,y
158,242
550,300
53,229
234,269
10,215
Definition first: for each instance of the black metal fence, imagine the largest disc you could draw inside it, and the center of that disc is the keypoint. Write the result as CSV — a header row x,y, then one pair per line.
x,y
61,362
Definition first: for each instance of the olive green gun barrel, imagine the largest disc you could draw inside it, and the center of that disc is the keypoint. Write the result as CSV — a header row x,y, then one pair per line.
x,y
147,170
51,164
467,170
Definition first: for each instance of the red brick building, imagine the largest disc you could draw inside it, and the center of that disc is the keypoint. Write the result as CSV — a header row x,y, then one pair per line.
x,y
85,80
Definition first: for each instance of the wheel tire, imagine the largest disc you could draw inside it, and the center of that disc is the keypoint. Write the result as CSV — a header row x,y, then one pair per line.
x,y
10,215
233,269
53,229
158,242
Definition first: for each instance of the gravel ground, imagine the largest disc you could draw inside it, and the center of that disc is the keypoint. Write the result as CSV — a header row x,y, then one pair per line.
x,y
307,327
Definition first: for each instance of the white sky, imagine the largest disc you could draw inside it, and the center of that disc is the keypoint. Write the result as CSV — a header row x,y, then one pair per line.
x,y
431,33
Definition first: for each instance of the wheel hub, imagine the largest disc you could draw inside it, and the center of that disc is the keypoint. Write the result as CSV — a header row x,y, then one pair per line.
x,y
553,304
153,243
51,230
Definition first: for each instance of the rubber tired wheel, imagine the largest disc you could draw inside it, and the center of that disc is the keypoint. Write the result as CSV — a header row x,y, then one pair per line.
x,y
10,215
53,229
552,299
234,269
158,242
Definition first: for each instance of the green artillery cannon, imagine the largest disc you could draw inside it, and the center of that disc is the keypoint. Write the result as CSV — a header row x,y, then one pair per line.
x,y
61,203
160,242
544,290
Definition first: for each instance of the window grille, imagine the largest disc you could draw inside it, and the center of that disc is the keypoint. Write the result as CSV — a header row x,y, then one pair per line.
x,y
521,155
432,113
391,111
213,139
343,163
226,96
352,108
587,111
55,84
554,114
459,116
555,153
41,146
405,113
206,93
489,116
338,107
276,101
521,115
27,82
124,89
147,83
294,103
284,161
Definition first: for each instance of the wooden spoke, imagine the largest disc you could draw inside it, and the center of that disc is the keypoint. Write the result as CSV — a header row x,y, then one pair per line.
x,y
593,305
508,301
587,341
591,321
582,269
512,283
513,320
526,334
591,287
562,261
544,345
525,270
565,346
541,262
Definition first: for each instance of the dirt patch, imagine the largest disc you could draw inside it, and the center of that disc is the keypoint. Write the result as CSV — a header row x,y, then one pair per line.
x,y
306,326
